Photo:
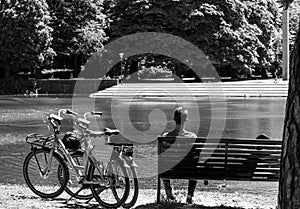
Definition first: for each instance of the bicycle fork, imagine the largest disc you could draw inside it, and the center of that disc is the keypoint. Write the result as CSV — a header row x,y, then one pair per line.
x,y
46,170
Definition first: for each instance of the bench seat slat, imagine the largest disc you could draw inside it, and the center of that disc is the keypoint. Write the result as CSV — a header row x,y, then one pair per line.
x,y
242,151
214,164
230,146
223,145
255,147
220,176
219,172
204,154
173,157
234,167
196,141
241,158
219,152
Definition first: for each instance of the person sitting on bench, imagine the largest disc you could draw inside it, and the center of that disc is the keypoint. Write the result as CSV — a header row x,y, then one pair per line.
x,y
250,162
180,118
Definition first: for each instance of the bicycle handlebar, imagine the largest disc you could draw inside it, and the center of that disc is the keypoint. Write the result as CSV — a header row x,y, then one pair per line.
x,y
55,120
84,121
92,114
71,112
55,117
67,112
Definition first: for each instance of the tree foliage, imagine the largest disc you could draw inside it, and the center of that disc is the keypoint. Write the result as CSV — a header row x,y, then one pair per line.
x,y
239,33
294,9
78,31
25,36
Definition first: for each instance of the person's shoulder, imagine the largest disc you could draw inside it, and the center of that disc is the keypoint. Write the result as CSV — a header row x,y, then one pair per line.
x,y
175,133
189,134
164,134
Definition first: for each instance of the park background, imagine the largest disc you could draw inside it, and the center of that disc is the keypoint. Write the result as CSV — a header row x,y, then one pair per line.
x,y
53,39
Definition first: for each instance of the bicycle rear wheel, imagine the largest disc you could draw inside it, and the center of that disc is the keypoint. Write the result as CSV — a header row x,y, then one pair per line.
x,y
48,184
134,188
113,189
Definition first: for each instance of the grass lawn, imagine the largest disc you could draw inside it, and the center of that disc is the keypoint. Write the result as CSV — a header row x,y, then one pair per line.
x,y
236,195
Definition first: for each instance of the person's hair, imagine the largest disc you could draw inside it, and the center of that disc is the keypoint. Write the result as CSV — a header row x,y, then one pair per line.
x,y
180,115
262,136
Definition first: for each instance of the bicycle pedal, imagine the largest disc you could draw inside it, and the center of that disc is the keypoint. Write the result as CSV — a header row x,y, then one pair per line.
x,y
86,182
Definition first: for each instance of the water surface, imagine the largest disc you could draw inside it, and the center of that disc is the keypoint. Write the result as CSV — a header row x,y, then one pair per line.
x,y
245,118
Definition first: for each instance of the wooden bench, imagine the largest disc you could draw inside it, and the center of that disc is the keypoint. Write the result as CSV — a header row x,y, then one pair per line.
x,y
224,159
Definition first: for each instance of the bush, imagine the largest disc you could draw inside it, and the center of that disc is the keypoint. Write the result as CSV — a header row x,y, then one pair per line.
x,y
57,73
154,73
15,85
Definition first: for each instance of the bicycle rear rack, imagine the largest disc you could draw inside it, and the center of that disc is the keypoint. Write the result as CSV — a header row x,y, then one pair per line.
x,y
39,140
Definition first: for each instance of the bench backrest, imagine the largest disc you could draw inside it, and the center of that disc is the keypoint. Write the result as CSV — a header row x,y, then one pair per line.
x,y
231,159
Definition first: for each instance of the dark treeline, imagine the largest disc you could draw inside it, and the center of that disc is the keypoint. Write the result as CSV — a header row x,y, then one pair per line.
x,y
241,37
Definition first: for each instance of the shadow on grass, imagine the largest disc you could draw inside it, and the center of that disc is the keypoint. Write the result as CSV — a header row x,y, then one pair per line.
x,y
165,205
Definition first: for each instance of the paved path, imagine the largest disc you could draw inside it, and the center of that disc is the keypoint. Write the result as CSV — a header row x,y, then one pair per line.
x,y
252,88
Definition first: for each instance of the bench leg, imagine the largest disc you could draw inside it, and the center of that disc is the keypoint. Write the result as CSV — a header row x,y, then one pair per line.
x,y
158,189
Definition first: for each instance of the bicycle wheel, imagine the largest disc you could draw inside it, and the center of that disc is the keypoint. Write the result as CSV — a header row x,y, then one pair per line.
x,y
134,188
113,189
73,185
48,184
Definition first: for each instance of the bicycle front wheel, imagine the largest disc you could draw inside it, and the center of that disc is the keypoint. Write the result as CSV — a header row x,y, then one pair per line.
x,y
41,173
74,188
113,187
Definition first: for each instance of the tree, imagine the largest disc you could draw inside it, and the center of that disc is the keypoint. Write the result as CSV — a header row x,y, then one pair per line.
x,y
25,37
250,34
289,183
266,16
294,21
78,31
239,33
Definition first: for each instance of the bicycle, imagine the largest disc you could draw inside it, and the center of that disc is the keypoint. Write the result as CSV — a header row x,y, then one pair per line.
x,y
113,167
42,158
48,156
123,151
126,151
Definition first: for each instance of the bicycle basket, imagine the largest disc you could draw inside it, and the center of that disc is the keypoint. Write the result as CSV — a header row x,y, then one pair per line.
x,y
71,141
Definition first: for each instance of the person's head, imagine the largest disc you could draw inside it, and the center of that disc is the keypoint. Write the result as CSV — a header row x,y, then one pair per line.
x,y
262,136
180,115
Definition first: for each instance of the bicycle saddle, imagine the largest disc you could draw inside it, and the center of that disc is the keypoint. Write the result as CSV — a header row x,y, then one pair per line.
x,y
94,133
109,132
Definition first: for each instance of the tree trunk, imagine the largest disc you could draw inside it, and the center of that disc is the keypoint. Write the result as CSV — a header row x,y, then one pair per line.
x,y
7,73
38,73
289,183
77,60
